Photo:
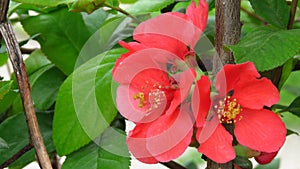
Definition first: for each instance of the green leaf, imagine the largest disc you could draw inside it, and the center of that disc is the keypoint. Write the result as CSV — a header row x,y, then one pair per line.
x,y
243,162
289,132
94,20
294,107
7,100
3,54
87,6
114,3
3,144
109,34
243,151
61,35
145,6
49,3
14,131
127,1
35,61
45,88
94,156
286,71
273,165
264,43
4,88
275,12
84,106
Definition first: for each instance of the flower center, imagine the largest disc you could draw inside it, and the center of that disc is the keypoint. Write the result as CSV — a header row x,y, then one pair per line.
x,y
228,110
141,96
152,96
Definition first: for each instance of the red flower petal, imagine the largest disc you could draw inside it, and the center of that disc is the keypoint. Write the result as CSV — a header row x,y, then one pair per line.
x,y
176,29
184,81
256,93
163,42
170,135
150,58
201,100
199,14
266,158
131,47
219,146
136,142
230,74
260,130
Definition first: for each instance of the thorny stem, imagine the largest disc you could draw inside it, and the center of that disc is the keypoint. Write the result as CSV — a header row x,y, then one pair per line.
x,y
16,156
16,59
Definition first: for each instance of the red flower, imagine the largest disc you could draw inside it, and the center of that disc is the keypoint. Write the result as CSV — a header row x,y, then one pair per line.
x,y
152,101
241,100
150,97
178,37
163,139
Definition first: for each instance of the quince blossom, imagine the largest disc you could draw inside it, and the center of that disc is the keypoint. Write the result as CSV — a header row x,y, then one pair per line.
x,y
240,101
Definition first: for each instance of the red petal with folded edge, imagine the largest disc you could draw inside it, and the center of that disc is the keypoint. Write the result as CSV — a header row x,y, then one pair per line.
x,y
136,142
199,14
260,130
230,74
175,29
255,93
131,47
141,60
219,146
175,46
266,158
170,135
201,101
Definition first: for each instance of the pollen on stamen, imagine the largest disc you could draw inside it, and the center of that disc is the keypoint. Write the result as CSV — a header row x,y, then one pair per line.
x,y
228,110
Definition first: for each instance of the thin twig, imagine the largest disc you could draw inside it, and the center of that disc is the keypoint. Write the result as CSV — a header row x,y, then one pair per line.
x,y
55,162
27,50
16,156
253,15
292,14
122,11
20,72
15,57
297,66
172,165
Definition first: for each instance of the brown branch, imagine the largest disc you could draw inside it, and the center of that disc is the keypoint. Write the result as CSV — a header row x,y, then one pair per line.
x,y
228,30
16,156
15,57
172,165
